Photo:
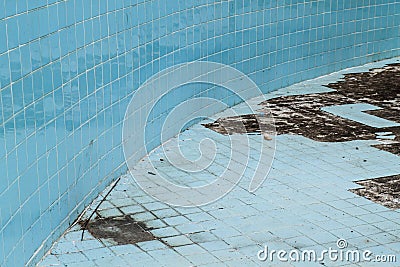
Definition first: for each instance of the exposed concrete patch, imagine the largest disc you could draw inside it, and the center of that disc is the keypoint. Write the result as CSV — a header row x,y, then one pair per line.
x,y
245,124
302,114
384,191
393,148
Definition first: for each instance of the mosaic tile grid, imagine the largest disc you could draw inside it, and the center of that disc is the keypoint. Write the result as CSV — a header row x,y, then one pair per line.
x,y
69,68
304,204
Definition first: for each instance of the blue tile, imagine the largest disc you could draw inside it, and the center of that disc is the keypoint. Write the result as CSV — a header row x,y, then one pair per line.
x,y
2,10
35,55
12,232
26,66
15,64
10,8
45,50
34,4
5,74
3,32
94,88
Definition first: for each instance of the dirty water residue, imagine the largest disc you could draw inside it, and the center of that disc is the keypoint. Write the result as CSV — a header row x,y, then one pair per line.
x,y
384,190
120,230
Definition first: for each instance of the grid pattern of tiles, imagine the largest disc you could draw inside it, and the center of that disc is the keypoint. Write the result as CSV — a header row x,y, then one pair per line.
x,y
68,69
303,205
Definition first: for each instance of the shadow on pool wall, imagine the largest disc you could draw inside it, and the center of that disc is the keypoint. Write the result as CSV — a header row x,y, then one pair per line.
x,y
69,68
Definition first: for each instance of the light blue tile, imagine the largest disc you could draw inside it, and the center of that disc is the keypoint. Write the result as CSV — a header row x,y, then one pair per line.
x,y
88,244
190,250
139,259
215,245
125,249
49,261
108,261
72,258
202,259
151,245
176,241
98,253
165,232
355,112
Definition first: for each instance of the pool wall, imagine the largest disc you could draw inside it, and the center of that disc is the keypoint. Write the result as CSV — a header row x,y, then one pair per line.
x,y
69,68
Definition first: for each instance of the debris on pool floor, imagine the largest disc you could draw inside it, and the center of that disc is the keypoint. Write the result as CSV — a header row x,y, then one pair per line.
x,y
304,115
309,202
119,230
384,190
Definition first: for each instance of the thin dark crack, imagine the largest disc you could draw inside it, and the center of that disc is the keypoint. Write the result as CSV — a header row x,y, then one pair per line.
x,y
85,225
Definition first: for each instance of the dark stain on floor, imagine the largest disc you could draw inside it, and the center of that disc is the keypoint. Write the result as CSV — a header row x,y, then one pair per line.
x,y
302,115
245,124
121,230
384,190
393,148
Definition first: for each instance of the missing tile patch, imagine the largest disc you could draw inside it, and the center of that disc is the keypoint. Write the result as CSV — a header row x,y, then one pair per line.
x,y
244,124
383,190
393,148
303,114
120,230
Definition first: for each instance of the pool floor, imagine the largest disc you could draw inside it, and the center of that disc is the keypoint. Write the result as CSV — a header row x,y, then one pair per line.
x,y
312,200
